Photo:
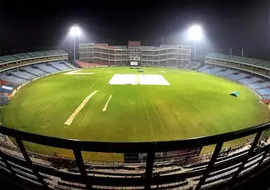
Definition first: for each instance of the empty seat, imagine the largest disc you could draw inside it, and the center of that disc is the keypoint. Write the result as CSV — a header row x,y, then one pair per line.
x,y
263,91
215,70
250,80
12,79
60,65
68,64
204,68
225,73
23,75
46,68
237,76
259,85
34,70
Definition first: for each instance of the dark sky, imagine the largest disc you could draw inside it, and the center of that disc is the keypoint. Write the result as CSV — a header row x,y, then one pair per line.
x,y
28,25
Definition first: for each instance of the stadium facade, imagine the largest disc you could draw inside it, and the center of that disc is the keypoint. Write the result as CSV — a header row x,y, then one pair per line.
x,y
135,54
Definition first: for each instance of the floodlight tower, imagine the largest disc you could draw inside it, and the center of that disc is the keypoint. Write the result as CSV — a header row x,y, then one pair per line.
x,y
195,34
75,32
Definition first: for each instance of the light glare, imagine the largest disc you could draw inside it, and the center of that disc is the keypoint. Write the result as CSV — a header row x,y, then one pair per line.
x,y
195,33
75,31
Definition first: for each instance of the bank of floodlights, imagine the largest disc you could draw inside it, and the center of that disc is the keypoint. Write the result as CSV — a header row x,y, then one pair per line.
x,y
195,33
75,31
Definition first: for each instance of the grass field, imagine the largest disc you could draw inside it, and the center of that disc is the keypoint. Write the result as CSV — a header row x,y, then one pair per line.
x,y
194,104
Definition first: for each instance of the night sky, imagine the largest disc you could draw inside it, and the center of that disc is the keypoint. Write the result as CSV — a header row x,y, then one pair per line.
x,y
28,25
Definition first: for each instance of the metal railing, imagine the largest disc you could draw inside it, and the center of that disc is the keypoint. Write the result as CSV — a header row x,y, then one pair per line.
x,y
167,165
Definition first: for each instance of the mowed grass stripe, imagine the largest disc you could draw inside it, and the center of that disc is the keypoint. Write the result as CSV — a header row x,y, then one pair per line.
x,y
79,108
107,103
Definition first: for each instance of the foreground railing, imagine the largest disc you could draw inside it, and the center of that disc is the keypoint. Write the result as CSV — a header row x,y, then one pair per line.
x,y
197,163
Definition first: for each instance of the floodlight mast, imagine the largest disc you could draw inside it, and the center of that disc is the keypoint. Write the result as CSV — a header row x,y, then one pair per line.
x,y
75,32
195,34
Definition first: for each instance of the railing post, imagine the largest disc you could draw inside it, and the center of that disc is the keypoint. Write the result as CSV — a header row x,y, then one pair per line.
x,y
210,164
79,160
29,162
254,143
149,169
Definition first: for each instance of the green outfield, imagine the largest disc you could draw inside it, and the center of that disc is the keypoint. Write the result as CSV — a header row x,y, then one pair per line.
x,y
194,104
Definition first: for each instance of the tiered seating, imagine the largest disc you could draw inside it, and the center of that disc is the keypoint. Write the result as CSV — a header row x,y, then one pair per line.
x,y
259,85
46,68
68,65
256,82
250,80
34,70
215,70
27,73
23,75
37,54
221,70
203,68
237,77
60,65
225,73
12,79
264,91
245,60
24,67
194,65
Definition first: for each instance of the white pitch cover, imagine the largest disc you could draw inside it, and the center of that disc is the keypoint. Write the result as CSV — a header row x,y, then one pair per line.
x,y
138,79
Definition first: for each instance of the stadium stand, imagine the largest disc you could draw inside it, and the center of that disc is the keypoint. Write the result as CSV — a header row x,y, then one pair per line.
x,y
259,85
23,75
203,68
163,55
241,60
60,66
34,71
194,65
45,67
12,79
225,73
68,65
238,76
264,91
250,80
215,70
18,69
251,72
